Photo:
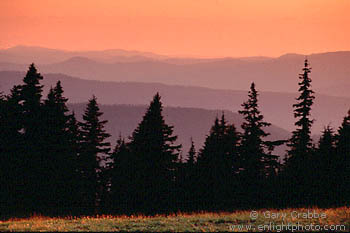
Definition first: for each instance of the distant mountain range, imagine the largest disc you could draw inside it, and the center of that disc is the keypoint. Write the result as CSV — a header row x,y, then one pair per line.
x,y
330,71
276,107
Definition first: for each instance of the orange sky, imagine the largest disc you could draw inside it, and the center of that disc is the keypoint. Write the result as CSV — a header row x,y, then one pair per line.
x,y
179,27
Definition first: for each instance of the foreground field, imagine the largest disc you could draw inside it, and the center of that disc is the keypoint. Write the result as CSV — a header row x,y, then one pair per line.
x,y
337,219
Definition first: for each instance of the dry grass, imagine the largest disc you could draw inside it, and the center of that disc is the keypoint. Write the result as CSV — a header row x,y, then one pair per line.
x,y
179,222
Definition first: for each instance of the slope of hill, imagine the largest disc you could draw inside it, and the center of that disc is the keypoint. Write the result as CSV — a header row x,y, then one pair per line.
x,y
276,107
270,74
29,54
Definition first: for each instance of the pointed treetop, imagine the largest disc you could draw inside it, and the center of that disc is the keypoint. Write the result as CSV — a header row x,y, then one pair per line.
x,y
191,153
252,86
32,75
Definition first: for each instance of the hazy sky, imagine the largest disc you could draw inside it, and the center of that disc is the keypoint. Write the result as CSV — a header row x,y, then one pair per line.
x,y
179,27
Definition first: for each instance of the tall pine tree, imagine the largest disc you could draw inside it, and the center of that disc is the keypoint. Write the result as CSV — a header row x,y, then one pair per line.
x,y
60,156
301,143
325,170
93,151
33,130
256,158
216,167
255,152
154,155
343,159
120,176
298,160
11,153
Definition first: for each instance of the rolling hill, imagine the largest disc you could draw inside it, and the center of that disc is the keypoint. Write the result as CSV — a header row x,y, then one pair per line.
x,y
276,107
270,74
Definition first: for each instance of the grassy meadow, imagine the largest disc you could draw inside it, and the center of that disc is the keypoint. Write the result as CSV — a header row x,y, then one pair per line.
x,y
336,218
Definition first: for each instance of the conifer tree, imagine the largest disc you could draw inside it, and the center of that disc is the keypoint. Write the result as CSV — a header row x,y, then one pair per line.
x,y
93,151
74,135
301,143
59,155
343,159
74,142
298,160
324,169
191,156
257,163
31,93
11,151
255,151
120,174
186,180
5,163
154,155
216,164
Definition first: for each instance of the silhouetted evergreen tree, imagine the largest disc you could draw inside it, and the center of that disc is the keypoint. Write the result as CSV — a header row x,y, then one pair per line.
x,y
74,143
11,153
324,159
154,156
343,159
297,166
35,157
61,167
191,156
216,168
93,149
186,180
256,158
120,174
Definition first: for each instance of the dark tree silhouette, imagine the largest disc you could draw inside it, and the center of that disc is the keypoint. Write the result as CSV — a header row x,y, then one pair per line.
x,y
255,151
343,159
256,159
35,170
154,156
120,175
74,143
324,171
60,157
191,156
11,153
297,164
301,143
93,151
216,167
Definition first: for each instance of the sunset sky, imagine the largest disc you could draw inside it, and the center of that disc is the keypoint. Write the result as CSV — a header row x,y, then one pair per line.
x,y
207,28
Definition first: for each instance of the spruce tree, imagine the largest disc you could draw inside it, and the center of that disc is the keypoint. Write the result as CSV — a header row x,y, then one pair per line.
x,y
343,159
186,180
35,170
191,155
301,143
297,164
255,151
59,155
216,165
256,159
120,175
11,152
154,155
74,142
93,151
325,170
5,163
